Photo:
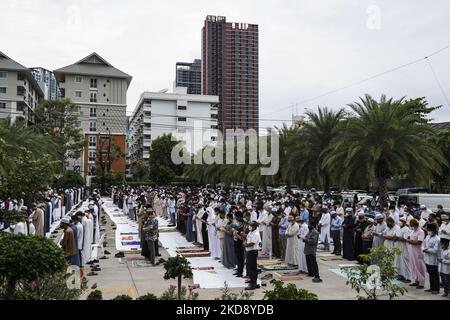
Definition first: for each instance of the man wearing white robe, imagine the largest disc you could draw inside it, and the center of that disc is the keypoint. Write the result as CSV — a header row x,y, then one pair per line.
x,y
267,233
198,223
391,234
405,231
302,232
214,246
324,224
292,242
88,227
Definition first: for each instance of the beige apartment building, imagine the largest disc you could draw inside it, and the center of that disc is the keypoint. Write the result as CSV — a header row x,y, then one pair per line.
x,y
100,93
19,92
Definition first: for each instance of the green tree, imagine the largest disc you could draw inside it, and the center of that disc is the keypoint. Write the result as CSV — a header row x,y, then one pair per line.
x,y
376,276
141,171
108,152
288,292
26,260
441,181
386,138
177,268
162,169
58,119
71,178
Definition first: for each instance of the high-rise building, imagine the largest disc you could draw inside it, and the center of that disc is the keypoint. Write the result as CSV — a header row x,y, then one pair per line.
x,y
100,93
47,81
189,75
230,70
19,91
191,118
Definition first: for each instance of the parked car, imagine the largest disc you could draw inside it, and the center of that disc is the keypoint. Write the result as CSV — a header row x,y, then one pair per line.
x,y
431,200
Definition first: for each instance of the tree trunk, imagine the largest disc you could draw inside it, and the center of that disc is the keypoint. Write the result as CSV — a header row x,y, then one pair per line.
x,y
10,289
179,287
382,191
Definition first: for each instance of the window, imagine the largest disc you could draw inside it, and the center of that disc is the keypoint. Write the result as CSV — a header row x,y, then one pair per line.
x,y
147,125
78,109
93,97
92,126
182,107
19,107
78,94
93,83
181,118
3,74
2,105
2,90
92,141
78,124
92,156
93,112
78,79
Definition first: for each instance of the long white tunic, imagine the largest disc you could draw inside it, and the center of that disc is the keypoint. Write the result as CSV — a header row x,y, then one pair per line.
x,y
267,234
403,259
325,227
302,232
88,227
214,245
393,232
198,224
97,224
292,244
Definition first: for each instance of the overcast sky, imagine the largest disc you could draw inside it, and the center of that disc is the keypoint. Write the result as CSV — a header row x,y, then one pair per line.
x,y
307,47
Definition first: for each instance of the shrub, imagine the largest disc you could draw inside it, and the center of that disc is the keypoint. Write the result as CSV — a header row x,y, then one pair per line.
x,y
31,263
376,275
171,294
177,268
123,297
95,295
228,295
288,292
148,296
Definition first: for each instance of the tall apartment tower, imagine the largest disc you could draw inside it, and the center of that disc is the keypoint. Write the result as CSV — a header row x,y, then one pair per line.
x,y
189,75
100,93
47,81
230,70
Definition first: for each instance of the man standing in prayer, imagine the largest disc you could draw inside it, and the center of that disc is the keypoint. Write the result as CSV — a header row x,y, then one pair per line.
x,y
292,242
267,232
348,239
251,245
38,220
324,224
311,240
430,249
302,232
403,263
417,266
282,227
68,243
151,234
336,225
380,229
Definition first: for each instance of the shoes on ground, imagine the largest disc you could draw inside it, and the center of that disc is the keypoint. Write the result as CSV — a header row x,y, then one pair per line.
x,y
415,284
106,252
317,280
419,287
92,273
252,287
119,255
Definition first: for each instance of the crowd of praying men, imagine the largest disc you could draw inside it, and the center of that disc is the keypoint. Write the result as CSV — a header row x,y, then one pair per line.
x,y
237,226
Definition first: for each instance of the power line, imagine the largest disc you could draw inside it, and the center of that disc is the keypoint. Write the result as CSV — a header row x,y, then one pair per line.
x,y
437,81
363,80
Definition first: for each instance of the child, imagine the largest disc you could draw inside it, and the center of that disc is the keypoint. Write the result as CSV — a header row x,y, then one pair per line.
x,y
444,259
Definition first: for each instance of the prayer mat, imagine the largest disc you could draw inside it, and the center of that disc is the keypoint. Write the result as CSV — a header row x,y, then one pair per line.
x,y
278,267
130,243
195,254
167,229
180,248
203,268
191,250
269,262
288,276
128,233
140,264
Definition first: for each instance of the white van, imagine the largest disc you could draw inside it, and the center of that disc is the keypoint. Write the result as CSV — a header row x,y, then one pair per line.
x,y
431,200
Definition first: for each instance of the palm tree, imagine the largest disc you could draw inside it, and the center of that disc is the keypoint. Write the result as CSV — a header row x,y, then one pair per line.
x,y
385,139
307,148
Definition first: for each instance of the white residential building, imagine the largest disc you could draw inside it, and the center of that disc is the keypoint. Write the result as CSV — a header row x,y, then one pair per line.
x,y
191,118
19,91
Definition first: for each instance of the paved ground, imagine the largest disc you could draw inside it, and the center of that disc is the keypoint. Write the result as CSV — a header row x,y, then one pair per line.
x,y
118,277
